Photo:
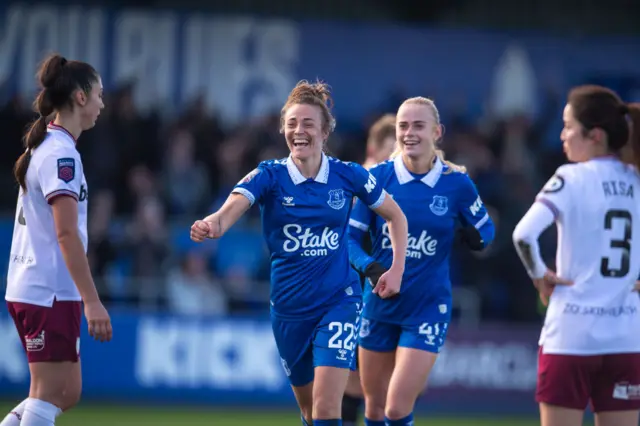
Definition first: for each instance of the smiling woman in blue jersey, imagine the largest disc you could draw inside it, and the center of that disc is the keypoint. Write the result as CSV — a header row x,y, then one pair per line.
x,y
316,298
400,337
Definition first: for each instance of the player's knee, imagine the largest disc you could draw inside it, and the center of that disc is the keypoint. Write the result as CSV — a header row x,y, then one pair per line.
x,y
374,407
395,411
326,407
71,397
307,413
48,391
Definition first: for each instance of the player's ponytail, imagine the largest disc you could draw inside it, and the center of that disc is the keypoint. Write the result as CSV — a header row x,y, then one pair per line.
x,y
453,167
34,137
634,132
58,80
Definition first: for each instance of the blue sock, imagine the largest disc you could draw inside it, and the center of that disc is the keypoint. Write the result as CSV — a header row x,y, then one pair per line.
x,y
304,422
368,422
332,422
407,421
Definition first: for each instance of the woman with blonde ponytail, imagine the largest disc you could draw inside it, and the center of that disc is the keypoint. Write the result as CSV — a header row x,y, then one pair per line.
x,y
400,338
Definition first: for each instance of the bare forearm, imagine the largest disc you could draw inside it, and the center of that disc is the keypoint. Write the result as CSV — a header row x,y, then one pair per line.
x,y
525,238
235,206
398,231
78,265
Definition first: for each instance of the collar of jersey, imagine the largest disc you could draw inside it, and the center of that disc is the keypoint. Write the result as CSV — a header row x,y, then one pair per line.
x,y
52,127
404,176
296,176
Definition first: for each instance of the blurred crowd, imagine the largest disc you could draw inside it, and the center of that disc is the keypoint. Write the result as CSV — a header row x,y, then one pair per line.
x,y
150,177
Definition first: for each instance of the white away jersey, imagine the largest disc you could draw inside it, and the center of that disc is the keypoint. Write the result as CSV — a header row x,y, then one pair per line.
x,y
37,271
598,219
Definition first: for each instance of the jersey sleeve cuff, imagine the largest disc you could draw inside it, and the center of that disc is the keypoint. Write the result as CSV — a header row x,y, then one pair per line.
x,y
61,193
246,193
359,225
482,221
379,201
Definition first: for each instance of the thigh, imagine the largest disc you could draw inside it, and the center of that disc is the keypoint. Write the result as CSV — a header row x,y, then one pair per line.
x,y
564,380
328,389
376,369
616,386
49,334
377,353
294,342
335,341
426,336
552,415
617,418
408,380
56,382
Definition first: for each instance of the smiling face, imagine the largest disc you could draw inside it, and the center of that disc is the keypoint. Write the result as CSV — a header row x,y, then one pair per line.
x,y
417,130
304,130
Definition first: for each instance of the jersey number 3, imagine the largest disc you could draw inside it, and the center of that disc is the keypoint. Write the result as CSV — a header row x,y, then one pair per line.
x,y
21,219
623,244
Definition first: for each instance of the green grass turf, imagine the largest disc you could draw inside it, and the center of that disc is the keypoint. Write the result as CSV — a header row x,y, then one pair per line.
x,y
111,415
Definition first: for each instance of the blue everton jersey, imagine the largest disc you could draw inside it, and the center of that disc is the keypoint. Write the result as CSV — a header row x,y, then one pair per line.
x,y
305,223
433,204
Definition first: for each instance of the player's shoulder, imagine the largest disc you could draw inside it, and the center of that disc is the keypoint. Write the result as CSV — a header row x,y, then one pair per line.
x,y
455,176
563,176
382,169
346,169
273,164
55,146
264,168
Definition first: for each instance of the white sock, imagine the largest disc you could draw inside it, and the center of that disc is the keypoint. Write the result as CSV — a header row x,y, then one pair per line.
x,y
39,413
14,417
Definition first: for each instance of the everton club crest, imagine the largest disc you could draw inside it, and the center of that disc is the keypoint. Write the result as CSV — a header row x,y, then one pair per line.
x,y
439,205
337,200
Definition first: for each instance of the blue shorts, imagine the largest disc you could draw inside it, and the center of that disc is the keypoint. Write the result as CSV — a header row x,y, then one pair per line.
x,y
379,336
328,341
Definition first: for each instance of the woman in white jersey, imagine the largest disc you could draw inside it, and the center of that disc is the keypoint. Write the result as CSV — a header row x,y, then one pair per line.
x,y
49,275
590,342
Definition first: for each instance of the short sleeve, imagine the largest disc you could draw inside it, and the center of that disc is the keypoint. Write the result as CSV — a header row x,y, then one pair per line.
x,y
255,184
366,187
556,193
472,209
60,174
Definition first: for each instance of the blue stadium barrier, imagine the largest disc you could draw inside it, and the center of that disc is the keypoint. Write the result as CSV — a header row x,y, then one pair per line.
x,y
162,359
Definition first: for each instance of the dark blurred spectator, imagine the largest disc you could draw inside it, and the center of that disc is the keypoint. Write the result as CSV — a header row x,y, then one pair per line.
x,y
101,251
191,290
185,181
149,247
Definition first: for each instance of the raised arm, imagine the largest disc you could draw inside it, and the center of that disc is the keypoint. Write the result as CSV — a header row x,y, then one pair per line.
x,y
215,225
250,189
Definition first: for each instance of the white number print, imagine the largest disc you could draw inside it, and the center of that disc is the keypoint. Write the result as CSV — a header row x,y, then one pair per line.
x,y
337,341
433,333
